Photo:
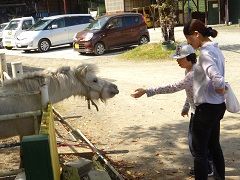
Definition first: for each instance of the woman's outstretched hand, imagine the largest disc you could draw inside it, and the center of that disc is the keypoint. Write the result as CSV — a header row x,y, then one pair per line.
x,y
138,93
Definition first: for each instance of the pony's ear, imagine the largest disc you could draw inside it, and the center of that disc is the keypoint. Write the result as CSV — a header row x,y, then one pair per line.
x,y
81,72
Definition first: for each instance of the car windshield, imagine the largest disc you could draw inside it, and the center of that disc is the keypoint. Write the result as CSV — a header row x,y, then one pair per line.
x,y
98,24
13,25
40,25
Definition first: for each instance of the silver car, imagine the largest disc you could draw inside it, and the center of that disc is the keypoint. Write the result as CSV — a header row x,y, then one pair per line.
x,y
52,31
2,26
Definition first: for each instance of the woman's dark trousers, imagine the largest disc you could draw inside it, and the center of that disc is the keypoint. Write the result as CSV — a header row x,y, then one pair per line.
x,y
205,136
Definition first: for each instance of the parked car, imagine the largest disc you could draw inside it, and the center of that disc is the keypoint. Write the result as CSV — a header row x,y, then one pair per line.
x,y
52,31
13,29
112,31
2,26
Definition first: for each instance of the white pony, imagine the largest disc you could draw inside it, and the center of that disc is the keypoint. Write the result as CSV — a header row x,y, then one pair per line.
x,y
63,83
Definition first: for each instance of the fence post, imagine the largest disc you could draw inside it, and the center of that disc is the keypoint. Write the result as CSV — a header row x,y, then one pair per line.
x,y
17,70
3,66
44,94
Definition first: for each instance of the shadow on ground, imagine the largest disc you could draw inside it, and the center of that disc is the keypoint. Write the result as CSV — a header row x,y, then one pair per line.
x,y
163,144
233,48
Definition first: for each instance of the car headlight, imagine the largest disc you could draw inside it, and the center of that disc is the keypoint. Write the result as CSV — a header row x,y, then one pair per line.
x,y
21,39
75,37
88,37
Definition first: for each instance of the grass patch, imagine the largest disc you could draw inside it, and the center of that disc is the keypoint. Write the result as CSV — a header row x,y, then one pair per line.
x,y
151,51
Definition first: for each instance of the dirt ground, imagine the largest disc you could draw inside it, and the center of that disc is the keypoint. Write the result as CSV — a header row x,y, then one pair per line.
x,y
150,129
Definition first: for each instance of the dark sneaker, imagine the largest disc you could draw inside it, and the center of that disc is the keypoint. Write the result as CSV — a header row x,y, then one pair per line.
x,y
191,172
210,172
210,169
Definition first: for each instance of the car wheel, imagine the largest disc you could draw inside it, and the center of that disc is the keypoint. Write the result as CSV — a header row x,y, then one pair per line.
x,y
143,40
99,48
8,48
44,45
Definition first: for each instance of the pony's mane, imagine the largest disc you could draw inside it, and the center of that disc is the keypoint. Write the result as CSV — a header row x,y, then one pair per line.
x,y
44,74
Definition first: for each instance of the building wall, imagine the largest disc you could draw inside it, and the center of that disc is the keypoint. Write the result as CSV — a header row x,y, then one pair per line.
x,y
130,4
48,8
234,12
114,6
55,7
40,8
124,5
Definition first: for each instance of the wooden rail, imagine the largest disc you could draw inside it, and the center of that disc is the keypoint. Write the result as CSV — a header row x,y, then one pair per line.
x,y
112,172
20,115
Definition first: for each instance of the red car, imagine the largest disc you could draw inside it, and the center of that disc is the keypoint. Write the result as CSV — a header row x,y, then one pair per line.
x,y
110,32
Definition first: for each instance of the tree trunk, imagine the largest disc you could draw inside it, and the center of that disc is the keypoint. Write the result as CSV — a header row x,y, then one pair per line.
x,y
168,33
171,33
164,32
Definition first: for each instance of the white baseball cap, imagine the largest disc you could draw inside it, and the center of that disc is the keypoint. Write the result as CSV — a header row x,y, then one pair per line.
x,y
183,51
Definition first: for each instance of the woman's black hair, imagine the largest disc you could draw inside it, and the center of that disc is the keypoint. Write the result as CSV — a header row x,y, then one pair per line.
x,y
192,57
197,25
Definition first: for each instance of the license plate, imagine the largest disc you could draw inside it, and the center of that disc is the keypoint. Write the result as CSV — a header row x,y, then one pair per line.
x,y
8,43
76,46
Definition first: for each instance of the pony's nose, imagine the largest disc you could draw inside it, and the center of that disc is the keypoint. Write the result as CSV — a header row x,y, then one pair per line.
x,y
114,89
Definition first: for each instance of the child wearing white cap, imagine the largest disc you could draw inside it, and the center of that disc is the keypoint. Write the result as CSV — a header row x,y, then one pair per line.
x,y
186,58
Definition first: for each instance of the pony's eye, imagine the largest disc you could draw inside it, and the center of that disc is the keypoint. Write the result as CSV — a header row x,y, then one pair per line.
x,y
95,80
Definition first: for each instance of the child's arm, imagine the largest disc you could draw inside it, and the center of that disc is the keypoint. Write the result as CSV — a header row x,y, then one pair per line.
x,y
186,108
171,88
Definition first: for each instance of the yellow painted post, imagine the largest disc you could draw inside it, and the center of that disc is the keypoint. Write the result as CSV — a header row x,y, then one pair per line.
x,y
47,127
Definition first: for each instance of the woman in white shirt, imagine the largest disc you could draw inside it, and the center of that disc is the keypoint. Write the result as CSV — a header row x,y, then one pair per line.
x,y
208,90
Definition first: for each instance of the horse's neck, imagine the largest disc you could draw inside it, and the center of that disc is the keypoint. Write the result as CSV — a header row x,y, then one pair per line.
x,y
62,88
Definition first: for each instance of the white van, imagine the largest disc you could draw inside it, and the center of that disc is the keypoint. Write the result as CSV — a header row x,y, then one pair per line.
x,y
13,29
2,27
52,31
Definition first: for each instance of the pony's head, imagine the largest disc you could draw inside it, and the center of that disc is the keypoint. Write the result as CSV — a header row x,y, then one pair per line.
x,y
96,87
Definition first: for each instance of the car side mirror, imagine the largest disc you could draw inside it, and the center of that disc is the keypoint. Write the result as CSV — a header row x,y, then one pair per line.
x,y
109,26
54,26
24,27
